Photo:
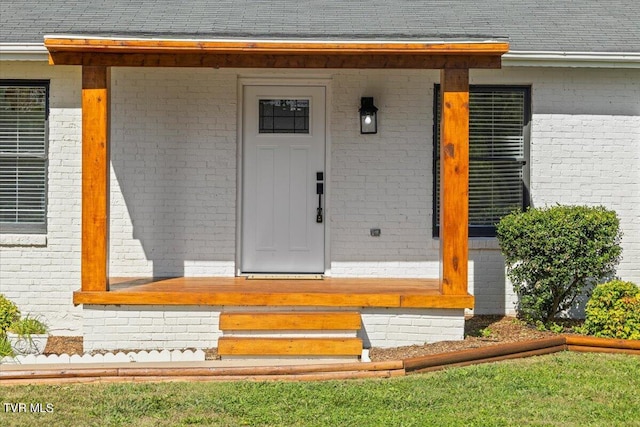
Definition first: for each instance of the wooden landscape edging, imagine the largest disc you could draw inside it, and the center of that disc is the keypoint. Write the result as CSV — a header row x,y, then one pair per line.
x,y
485,354
602,345
260,373
519,350
321,372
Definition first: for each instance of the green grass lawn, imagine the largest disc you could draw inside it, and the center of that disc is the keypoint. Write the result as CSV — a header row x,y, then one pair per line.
x,y
566,389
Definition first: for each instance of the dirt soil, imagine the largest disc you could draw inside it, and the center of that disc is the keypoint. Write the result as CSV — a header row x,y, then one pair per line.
x,y
480,331
62,345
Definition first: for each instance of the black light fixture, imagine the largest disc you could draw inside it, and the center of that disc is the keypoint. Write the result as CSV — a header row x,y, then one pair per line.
x,y
368,116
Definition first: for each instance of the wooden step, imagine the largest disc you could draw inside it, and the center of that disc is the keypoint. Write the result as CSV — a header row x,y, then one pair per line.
x,y
245,346
293,321
290,333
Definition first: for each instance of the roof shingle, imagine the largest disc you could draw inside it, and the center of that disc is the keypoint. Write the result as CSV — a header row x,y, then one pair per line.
x,y
530,25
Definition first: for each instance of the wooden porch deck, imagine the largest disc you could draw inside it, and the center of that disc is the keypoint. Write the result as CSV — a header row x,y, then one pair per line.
x,y
240,291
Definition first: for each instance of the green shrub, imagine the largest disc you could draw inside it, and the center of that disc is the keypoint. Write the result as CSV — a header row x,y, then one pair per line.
x,y
554,254
632,326
28,326
5,348
614,311
9,313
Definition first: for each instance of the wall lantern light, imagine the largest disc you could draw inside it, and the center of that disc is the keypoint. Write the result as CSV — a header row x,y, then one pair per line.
x,y
368,116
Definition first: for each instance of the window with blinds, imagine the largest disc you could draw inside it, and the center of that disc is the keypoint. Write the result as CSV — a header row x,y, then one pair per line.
x,y
23,156
498,151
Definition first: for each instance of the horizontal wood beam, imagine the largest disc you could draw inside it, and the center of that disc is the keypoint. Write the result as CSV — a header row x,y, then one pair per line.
x,y
437,301
237,299
240,298
262,60
79,44
237,291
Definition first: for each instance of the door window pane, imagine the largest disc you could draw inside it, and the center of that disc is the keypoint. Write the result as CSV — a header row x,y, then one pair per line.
x,y
284,116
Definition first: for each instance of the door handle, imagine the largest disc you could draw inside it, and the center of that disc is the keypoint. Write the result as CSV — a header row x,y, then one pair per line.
x,y
319,192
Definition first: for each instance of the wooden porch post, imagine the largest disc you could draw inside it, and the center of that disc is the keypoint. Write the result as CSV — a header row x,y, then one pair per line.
x,y
95,177
454,181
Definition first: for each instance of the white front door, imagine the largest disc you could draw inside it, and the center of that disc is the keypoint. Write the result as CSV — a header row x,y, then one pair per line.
x,y
283,161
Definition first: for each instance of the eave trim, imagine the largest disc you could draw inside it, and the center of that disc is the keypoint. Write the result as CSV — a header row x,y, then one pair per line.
x,y
80,44
38,52
23,52
571,59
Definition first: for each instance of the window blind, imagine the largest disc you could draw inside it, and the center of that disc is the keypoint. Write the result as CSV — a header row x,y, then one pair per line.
x,y
23,155
498,117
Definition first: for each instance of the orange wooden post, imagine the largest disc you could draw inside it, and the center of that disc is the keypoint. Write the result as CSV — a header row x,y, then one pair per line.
x,y
454,181
95,177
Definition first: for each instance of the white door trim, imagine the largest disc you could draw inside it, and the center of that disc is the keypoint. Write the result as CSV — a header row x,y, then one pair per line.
x,y
279,81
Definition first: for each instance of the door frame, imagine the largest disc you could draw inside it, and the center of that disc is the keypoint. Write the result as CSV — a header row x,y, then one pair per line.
x,y
322,81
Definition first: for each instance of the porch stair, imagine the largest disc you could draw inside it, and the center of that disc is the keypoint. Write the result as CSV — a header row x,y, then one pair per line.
x,y
301,334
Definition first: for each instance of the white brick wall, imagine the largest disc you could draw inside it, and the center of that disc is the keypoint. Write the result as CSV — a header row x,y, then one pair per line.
x,y
382,180
394,327
174,160
150,327
585,149
176,327
585,143
40,272
173,180
487,280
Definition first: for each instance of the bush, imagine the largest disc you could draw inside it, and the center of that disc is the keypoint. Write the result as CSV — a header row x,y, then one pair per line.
x,y
554,254
5,348
9,313
28,326
614,311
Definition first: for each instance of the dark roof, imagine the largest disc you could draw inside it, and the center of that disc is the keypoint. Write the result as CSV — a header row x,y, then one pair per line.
x,y
530,25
